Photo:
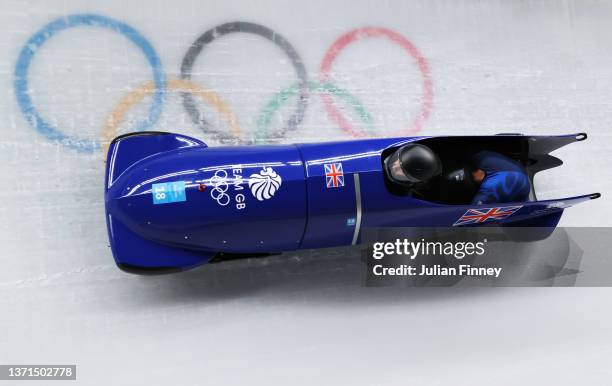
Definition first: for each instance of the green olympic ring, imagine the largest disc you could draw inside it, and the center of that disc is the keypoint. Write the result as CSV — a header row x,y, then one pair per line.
x,y
265,117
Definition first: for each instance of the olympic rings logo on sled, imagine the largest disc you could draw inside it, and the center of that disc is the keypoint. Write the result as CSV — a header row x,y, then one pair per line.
x,y
220,187
160,85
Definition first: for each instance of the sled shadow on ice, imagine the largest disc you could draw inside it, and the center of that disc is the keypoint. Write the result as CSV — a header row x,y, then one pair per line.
x,y
341,275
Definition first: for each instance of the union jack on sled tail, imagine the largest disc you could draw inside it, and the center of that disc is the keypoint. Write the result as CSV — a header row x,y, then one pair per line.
x,y
482,215
173,203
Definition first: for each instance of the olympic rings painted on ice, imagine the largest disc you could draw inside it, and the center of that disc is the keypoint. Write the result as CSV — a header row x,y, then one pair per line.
x,y
137,95
159,86
282,96
370,32
257,29
41,36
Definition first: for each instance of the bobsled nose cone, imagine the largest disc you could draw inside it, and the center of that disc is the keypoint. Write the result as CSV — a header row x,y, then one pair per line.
x,y
138,246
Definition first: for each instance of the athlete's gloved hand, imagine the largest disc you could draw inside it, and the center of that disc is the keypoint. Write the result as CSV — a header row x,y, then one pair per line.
x,y
460,182
457,176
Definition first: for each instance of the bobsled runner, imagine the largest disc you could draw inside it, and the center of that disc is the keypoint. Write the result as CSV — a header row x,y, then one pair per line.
x,y
173,203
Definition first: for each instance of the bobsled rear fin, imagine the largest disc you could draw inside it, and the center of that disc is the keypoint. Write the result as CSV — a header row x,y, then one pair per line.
x,y
539,159
135,254
563,203
548,213
126,150
548,143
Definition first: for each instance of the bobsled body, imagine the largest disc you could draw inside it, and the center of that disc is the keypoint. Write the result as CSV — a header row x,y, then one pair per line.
x,y
173,203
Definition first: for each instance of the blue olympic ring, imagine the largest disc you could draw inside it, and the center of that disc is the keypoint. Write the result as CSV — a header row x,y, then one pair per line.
x,y
37,40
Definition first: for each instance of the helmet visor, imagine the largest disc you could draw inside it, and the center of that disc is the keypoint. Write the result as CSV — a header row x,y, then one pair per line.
x,y
395,170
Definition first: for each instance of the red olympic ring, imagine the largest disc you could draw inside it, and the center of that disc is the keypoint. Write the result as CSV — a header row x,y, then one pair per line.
x,y
374,32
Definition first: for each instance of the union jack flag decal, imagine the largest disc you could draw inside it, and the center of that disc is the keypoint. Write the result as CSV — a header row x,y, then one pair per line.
x,y
334,175
481,215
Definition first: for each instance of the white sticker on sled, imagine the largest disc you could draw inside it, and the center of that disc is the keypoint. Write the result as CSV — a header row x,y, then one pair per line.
x,y
264,184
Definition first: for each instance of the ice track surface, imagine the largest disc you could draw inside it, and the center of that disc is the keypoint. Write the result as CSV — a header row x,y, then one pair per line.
x,y
73,74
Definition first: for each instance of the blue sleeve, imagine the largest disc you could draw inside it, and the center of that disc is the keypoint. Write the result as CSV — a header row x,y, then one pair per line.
x,y
485,195
503,187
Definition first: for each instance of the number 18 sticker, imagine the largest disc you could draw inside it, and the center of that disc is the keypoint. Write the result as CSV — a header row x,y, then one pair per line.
x,y
168,192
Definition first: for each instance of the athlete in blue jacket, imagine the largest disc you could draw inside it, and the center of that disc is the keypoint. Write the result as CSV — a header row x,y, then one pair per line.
x,y
501,179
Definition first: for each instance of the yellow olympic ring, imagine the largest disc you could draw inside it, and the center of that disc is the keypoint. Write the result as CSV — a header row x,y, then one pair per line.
x,y
137,95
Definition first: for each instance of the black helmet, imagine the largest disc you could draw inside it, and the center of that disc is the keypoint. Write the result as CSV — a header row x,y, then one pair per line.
x,y
413,164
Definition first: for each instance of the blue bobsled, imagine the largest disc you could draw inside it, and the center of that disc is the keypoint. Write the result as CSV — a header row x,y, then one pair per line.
x,y
173,203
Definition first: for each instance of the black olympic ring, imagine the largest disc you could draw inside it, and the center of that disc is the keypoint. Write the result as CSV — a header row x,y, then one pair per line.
x,y
257,29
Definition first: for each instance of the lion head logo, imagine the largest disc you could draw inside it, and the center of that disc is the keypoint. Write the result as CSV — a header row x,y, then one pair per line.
x,y
264,184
